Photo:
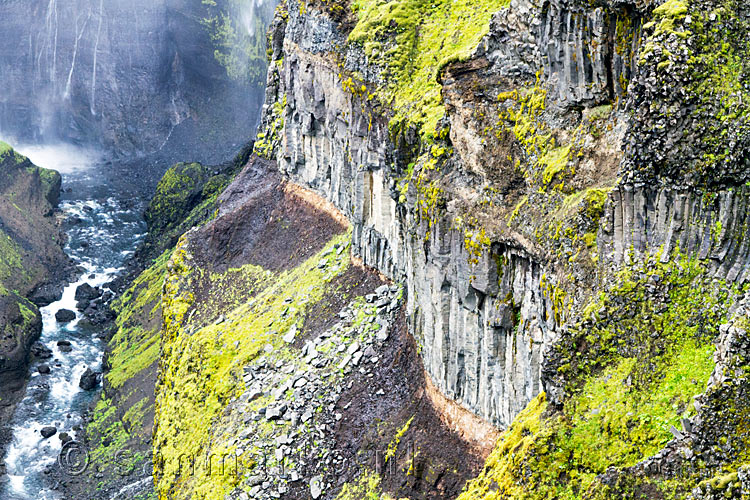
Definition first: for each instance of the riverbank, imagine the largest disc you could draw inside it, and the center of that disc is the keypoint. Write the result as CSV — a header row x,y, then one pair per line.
x,y
102,223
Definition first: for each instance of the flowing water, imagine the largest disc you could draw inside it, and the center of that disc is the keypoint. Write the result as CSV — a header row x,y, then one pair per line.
x,y
104,225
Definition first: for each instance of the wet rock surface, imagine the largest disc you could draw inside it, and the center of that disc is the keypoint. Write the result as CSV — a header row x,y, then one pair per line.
x,y
32,266
65,316
89,380
48,432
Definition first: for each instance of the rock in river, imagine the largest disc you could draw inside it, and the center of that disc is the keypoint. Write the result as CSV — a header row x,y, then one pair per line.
x,y
48,432
65,316
89,380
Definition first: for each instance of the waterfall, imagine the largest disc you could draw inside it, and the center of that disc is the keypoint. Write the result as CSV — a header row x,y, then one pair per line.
x,y
75,52
96,50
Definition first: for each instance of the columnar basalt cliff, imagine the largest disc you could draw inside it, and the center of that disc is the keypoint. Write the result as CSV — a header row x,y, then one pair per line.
x,y
483,318
516,195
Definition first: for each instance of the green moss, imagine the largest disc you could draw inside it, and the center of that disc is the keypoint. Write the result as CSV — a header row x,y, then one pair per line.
x,y
393,445
12,270
201,368
554,162
542,159
671,9
366,487
703,50
105,423
414,39
267,140
173,194
134,348
632,369
185,197
718,68
720,483
499,478
617,420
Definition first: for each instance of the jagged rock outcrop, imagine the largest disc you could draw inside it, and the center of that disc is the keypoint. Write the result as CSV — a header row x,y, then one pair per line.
x,y
482,340
549,191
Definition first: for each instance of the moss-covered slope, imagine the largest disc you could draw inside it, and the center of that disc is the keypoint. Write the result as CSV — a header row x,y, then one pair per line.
x,y
31,256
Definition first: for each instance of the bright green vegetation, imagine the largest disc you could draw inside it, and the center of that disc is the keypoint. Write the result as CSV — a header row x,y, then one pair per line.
x,y
173,194
703,48
11,264
202,365
106,424
573,226
545,163
267,140
5,148
367,487
122,426
499,478
414,40
718,72
7,152
185,197
135,345
666,14
632,367
239,48
118,429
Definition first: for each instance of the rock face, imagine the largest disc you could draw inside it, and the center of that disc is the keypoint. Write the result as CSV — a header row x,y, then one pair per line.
x,y
474,325
65,316
568,200
82,71
491,273
32,259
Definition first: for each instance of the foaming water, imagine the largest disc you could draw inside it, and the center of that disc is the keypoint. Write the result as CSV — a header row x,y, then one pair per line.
x,y
103,228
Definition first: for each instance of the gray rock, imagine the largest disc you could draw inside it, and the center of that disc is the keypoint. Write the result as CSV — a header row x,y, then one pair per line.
x,y
65,316
89,380
64,346
316,487
41,351
291,334
48,432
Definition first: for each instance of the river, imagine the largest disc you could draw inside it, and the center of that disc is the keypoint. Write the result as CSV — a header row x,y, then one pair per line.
x,y
102,209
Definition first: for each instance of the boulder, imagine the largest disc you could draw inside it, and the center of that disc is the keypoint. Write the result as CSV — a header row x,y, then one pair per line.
x,y
41,351
64,345
48,432
89,380
44,369
46,294
65,316
86,292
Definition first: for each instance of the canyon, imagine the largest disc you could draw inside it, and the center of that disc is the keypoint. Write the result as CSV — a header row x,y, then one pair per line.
x,y
472,252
